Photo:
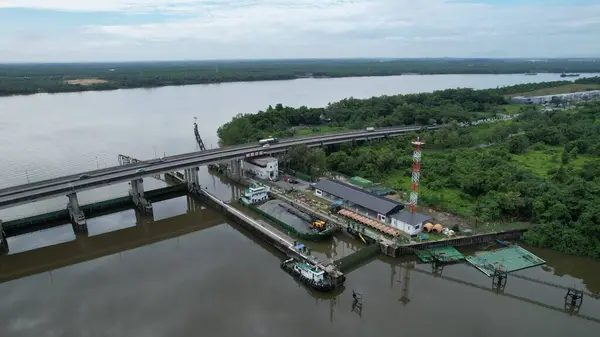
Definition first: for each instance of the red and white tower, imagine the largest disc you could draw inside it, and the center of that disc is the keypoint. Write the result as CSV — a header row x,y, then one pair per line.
x,y
416,174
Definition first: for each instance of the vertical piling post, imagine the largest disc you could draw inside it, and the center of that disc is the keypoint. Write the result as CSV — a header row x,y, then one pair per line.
x,y
437,265
357,303
573,300
499,280
3,240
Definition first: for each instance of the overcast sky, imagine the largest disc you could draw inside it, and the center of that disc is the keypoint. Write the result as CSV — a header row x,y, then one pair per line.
x,y
116,30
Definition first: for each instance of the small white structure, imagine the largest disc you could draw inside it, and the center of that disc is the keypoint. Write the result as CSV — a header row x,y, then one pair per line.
x,y
409,223
255,194
263,168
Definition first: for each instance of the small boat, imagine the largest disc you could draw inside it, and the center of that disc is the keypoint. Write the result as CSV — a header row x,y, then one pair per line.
x,y
308,274
569,75
531,73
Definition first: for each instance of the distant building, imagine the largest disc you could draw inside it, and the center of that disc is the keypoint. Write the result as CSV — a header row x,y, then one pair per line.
x,y
385,210
263,168
574,96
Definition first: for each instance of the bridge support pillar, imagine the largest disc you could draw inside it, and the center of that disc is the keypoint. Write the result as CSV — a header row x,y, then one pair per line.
x,y
137,194
3,240
191,178
235,169
76,214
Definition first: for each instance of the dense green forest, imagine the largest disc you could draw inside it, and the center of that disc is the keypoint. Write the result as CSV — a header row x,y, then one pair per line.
x,y
541,167
22,79
425,108
544,169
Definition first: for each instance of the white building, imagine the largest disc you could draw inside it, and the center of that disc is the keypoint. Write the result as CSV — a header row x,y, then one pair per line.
x,y
573,96
255,194
384,210
408,222
263,168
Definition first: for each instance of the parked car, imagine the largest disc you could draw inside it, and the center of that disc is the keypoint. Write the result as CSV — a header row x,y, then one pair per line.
x,y
290,180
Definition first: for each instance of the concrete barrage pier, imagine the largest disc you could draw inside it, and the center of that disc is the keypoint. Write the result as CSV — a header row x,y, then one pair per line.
x,y
3,240
60,217
137,195
279,241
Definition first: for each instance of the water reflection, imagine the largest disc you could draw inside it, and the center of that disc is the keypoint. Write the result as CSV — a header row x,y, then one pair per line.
x,y
170,208
217,270
573,271
107,234
44,238
112,222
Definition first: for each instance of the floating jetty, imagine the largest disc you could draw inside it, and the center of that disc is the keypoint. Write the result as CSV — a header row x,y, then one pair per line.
x,y
507,259
296,212
444,254
306,233
278,240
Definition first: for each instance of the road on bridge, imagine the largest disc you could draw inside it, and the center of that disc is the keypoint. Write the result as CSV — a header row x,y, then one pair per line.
x,y
22,194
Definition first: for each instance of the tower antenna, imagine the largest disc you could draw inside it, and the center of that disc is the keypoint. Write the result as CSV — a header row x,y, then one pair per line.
x,y
416,176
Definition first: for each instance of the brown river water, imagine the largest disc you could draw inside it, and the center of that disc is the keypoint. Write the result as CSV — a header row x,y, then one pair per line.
x,y
187,270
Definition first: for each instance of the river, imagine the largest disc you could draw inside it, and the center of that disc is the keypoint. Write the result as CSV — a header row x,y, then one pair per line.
x,y
50,135
208,275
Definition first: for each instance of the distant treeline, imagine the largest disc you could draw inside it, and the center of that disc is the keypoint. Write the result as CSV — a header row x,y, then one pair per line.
x,y
23,79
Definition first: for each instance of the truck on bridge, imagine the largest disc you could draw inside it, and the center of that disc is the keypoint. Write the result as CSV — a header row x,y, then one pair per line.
x,y
270,140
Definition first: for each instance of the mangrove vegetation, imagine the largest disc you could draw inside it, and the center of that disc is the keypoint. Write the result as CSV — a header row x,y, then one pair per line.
x,y
540,168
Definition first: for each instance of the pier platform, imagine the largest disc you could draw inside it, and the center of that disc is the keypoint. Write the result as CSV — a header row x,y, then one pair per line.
x,y
445,254
506,259
281,242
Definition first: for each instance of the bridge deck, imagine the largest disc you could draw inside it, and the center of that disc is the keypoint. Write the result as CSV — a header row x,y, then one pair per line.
x,y
61,186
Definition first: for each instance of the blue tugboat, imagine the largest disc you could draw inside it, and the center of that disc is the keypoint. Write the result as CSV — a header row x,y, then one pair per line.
x,y
308,274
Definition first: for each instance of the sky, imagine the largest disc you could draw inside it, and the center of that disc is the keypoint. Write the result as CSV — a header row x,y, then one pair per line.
x,y
139,30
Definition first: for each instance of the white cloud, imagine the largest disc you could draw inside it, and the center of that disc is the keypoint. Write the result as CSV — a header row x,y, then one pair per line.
x,y
104,5
328,28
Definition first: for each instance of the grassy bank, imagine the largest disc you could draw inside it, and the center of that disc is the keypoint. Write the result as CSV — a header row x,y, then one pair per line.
x,y
541,159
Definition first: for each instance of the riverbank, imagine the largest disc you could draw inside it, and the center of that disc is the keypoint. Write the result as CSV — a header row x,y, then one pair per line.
x,y
554,146
19,79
